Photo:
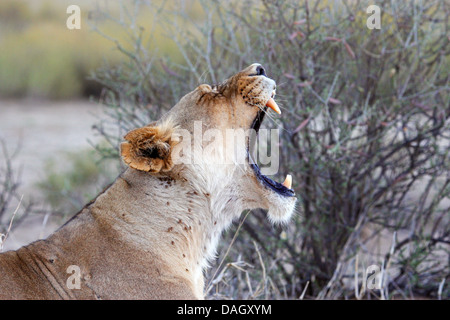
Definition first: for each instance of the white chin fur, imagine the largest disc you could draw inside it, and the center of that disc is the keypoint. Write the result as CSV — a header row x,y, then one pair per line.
x,y
281,208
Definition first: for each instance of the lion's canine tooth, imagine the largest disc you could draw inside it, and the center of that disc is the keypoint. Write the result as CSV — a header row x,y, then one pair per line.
x,y
273,105
288,181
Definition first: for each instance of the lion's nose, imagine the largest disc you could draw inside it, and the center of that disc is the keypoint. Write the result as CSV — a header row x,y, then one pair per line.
x,y
260,71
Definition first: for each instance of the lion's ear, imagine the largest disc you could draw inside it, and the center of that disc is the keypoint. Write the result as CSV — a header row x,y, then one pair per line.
x,y
149,148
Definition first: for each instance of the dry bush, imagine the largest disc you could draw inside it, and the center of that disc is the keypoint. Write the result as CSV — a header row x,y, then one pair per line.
x,y
13,210
365,134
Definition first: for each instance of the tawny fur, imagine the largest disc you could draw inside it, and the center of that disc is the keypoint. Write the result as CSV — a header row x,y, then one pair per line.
x,y
153,232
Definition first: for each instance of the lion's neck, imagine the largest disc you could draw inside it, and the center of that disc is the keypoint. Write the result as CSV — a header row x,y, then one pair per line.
x,y
179,219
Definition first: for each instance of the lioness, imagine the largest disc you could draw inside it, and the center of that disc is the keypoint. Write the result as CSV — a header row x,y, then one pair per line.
x,y
152,233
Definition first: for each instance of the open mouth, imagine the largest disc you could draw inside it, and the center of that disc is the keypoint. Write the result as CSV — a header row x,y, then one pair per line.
x,y
283,189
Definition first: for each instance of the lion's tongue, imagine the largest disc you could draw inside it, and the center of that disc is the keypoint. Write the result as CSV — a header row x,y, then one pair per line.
x,y
273,105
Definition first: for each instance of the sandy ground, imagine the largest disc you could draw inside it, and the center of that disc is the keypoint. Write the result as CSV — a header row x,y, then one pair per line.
x,y
43,130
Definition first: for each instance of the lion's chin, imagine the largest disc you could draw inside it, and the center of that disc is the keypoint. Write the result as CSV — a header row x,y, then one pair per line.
x,y
280,208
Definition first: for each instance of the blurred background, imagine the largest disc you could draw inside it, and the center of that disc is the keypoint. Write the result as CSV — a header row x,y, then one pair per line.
x,y
365,129
49,100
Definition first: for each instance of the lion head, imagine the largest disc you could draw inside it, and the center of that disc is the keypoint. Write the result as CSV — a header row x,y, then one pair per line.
x,y
190,143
